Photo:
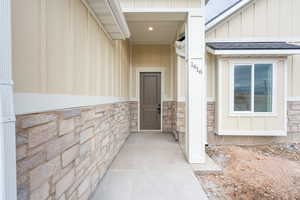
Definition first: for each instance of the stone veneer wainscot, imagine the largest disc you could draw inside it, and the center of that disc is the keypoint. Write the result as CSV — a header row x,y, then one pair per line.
x,y
293,126
64,154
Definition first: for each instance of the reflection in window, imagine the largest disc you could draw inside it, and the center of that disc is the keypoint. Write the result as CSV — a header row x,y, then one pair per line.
x,y
263,78
242,88
259,93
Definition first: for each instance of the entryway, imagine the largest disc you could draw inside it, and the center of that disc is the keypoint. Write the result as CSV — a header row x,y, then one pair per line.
x,y
150,167
150,100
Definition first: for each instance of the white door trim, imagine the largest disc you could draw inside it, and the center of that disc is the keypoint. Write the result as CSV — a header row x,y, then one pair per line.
x,y
162,70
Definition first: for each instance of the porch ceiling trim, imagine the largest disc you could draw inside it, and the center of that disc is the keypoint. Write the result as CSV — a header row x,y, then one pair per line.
x,y
111,17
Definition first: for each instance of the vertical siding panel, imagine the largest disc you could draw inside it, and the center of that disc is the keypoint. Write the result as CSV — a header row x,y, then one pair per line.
x,y
296,17
70,49
105,64
222,31
43,43
273,18
80,48
26,41
296,73
248,21
57,35
260,18
235,26
140,4
93,31
290,62
285,18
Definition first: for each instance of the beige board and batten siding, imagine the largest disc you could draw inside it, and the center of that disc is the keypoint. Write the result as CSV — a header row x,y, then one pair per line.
x,y
227,122
157,57
59,48
264,20
162,4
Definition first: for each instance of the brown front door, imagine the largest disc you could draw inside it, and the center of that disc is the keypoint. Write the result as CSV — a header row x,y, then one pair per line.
x,y
150,100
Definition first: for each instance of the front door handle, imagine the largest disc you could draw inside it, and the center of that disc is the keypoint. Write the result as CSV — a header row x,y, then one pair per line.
x,y
159,108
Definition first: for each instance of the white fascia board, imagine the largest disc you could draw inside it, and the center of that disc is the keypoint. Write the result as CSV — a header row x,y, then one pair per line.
x,y
226,14
252,133
253,52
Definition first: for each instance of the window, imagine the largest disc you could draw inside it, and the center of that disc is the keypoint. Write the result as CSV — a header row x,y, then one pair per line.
x,y
253,88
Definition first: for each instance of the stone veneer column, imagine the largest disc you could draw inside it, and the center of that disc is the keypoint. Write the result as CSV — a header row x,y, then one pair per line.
x,y
294,120
7,118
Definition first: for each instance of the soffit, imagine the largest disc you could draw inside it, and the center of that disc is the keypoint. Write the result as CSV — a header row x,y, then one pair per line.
x,y
110,15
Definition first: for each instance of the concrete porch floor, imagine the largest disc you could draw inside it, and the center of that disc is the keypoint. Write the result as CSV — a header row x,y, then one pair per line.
x,y
150,166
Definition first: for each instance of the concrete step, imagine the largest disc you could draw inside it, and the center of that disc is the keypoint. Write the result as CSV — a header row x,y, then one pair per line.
x,y
209,167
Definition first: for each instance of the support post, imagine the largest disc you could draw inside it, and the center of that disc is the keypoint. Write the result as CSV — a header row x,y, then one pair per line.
x,y
196,88
7,117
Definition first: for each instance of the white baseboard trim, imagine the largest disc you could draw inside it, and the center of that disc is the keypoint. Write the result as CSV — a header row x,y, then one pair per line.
x,y
26,103
293,98
252,133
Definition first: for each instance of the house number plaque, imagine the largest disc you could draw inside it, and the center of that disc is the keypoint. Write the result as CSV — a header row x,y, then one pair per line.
x,y
197,66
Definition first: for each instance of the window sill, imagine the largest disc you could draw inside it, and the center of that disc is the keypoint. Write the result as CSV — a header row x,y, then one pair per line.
x,y
252,114
252,133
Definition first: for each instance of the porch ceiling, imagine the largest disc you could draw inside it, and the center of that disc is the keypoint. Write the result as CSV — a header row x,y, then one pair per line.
x,y
165,26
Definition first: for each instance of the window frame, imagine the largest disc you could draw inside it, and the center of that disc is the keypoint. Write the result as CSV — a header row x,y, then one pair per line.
x,y
252,63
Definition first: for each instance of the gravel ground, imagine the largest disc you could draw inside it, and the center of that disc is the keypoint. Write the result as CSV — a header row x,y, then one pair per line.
x,y
262,172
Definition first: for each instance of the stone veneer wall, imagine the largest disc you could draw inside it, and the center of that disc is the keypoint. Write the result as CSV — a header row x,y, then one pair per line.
x,y
169,116
133,116
293,129
181,123
62,155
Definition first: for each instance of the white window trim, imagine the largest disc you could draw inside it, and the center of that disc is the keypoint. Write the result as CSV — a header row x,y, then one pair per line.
x,y
251,62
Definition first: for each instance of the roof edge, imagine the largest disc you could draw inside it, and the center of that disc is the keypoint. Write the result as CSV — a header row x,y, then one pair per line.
x,y
226,13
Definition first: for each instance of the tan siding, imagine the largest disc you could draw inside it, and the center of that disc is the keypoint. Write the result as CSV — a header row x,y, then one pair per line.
x,y
58,48
26,25
265,19
269,18
153,56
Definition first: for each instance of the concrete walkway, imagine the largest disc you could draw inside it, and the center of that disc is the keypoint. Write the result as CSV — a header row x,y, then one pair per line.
x,y
150,166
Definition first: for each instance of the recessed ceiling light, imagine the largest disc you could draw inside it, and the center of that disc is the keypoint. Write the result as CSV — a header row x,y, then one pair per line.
x,y
150,28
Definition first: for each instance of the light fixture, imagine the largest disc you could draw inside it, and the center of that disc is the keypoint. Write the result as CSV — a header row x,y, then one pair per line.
x,y
150,28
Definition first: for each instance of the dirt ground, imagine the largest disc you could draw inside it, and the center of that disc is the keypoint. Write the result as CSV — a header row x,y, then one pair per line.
x,y
261,172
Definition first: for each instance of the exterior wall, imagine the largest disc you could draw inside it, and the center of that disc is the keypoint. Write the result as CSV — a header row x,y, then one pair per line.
x,y
64,154
265,19
169,116
153,56
261,20
293,130
162,3
250,123
58,48
181,124
134,124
